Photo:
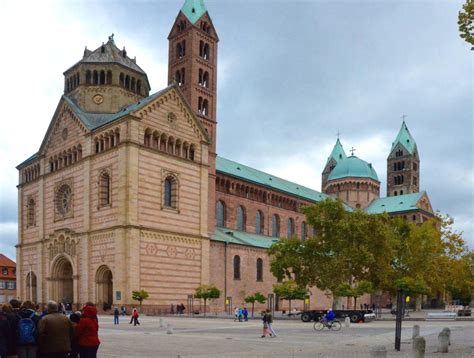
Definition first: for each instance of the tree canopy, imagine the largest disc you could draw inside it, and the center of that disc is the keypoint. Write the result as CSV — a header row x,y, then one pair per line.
x,y
290,290
466,22
140,296
207,292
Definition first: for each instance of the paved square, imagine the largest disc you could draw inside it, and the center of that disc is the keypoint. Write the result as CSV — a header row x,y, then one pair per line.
x,y
219,337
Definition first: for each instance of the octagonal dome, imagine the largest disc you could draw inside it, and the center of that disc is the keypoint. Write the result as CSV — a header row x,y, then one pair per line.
x,y
353,167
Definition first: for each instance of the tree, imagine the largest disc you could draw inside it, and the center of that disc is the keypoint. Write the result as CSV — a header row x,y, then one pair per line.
x,y
290,290
256,297
140,296
207,292
466,22
346,290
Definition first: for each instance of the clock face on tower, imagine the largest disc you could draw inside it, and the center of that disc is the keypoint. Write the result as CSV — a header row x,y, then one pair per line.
x,y
98,99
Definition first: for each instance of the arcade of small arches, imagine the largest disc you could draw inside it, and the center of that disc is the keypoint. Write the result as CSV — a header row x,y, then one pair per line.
x,y
31,173
169,144
203,106
258,269
66,158
361,186
103,77
240,224
107,140
253,193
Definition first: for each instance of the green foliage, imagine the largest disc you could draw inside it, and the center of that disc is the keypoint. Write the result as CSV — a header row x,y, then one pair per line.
x,y
207,292
289,290
140,296
256,297
346,290
466,22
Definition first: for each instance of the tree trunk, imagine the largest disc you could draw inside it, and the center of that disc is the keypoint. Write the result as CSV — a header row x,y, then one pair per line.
x,y
253,305
205,307
289,306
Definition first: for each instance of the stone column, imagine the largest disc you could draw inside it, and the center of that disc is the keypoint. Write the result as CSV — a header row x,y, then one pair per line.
x,y
443,342
419,346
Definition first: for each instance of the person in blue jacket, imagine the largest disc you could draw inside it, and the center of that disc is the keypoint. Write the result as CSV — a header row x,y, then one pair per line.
x,y
329,316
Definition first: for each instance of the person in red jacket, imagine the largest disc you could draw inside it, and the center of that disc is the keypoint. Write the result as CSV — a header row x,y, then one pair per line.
x,y
87,332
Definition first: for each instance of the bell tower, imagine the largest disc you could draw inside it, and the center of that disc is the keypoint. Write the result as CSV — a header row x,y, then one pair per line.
x,y
192,63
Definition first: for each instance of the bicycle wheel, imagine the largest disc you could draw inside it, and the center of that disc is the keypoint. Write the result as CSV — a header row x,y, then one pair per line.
x,y
318,326
335,326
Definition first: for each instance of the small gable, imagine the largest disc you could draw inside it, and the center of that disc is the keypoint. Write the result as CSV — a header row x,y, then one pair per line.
x,y
65,132
424,203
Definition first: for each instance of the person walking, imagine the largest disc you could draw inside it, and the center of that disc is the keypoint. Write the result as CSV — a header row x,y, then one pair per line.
x,y
236,314
135,316
265,324
74,317
246,314
123,310
270,324
27,332
55,333
116,315
87,332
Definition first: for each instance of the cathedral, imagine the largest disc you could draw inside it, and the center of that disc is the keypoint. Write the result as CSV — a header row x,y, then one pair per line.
x,y
127,192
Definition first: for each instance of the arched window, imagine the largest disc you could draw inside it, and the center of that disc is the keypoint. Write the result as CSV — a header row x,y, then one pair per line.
x,y
236,267
303,231
170,192
31,213
127,82
204,50
220,214
191,152
205,79
102,77
275,225
104,189
168,189
139,87
241,218
133,86
200,72
259,269
88,77
122,79
95,77
259,224
109,77
291,227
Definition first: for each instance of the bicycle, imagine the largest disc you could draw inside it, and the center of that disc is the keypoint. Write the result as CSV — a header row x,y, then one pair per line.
x,y
334,325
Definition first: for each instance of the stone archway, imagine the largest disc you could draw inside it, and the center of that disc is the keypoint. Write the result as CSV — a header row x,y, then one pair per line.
x,y
31,292
62,282
104,285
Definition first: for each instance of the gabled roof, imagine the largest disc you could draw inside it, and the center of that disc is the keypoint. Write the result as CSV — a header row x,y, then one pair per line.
x,y
243,238
337,153
194,9
405,139
244,172
5,261
109,53
393,204
353,167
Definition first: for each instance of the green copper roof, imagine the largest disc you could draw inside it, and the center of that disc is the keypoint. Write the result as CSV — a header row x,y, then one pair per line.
x,y
337,153
238,170
393,204
243,238
194,9
404,138
353,167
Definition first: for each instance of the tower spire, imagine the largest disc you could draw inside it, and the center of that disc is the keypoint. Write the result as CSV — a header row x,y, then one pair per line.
x,y
194,9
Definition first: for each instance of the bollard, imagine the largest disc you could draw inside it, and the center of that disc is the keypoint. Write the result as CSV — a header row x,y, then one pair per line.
x,y
378,352
416,331
162,324
446,329
347,322
443,340
419,346
169,329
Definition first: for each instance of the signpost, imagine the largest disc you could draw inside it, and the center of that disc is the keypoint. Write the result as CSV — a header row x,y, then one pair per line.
x,y
400,312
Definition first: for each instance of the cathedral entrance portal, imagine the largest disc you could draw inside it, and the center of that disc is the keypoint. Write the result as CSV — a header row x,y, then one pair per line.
x,y
104,285
62,281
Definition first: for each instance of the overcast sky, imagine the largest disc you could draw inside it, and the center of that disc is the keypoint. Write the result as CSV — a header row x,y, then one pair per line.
x,y
291,75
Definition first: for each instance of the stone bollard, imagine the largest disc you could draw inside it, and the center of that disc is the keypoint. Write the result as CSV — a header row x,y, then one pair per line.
x,y
169,329
446,329
162,323
347,322
419,347
416,331
378,352
443,340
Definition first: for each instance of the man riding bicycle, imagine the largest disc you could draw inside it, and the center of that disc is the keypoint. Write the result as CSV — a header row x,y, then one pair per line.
x,y
329,316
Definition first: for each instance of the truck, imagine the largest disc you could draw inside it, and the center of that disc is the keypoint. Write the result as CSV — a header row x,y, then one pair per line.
x,y
354,315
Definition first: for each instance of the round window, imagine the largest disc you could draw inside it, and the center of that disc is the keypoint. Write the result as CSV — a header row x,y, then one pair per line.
x,y
64,199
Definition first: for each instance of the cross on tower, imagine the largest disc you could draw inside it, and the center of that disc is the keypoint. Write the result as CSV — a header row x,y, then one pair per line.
x,y
404,116
352,151
338,134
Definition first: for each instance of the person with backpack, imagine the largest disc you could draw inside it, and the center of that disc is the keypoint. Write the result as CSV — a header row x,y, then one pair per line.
x,y
27,331
87,332
6,334
10,313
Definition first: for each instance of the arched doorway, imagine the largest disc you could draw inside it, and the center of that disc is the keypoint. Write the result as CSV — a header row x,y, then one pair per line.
x,y
31,287
62,281
104,285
